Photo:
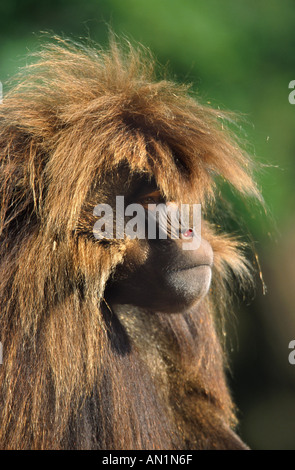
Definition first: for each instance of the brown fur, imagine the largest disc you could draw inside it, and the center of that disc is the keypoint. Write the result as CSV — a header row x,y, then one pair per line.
x,y
73,375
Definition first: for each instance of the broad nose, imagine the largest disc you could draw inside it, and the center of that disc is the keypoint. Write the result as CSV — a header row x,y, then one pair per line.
x,y
198,249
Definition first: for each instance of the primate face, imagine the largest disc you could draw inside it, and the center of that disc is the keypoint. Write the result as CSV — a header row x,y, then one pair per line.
x,y
159,274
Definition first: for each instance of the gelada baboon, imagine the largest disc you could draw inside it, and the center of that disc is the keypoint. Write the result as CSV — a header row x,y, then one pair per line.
x,y
112,343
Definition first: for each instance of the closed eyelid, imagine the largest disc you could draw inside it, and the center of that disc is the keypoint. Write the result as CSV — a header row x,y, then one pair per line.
x,y
153,197
155,194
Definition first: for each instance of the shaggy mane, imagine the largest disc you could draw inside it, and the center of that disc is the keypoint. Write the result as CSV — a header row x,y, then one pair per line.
x,y
72,118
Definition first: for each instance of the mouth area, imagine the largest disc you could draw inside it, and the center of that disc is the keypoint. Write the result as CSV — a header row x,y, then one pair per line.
x,y
195,266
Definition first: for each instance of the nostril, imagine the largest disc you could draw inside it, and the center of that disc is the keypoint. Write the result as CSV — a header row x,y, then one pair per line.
x,y
188,233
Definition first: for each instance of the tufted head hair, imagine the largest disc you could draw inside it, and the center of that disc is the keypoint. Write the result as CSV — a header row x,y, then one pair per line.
x,y
75,120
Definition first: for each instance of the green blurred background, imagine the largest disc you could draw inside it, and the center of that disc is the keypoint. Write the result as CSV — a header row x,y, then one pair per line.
x,y
239,56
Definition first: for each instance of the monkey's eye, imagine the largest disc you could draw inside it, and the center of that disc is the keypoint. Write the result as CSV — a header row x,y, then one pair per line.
x,y
154,197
